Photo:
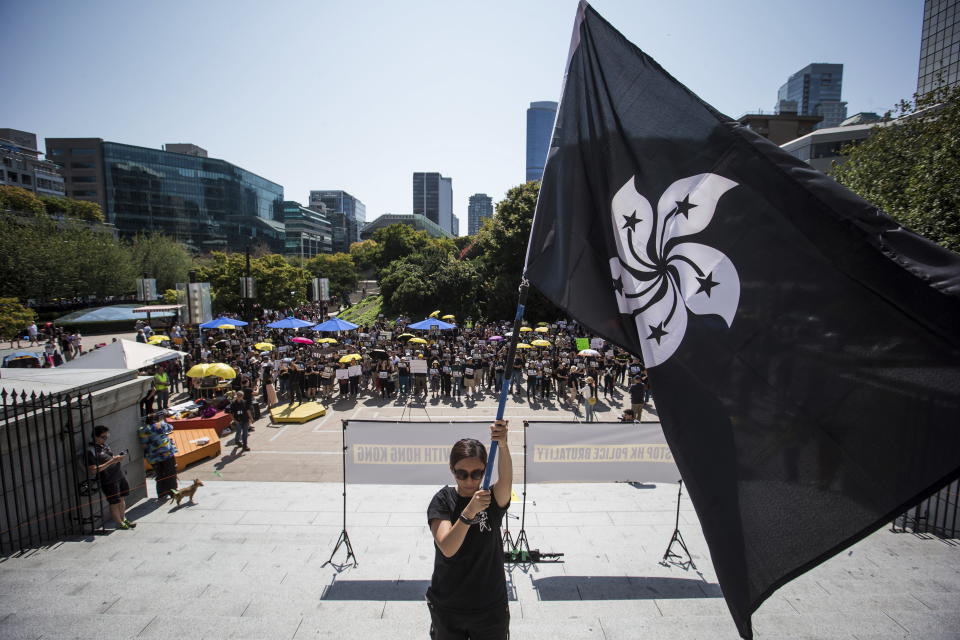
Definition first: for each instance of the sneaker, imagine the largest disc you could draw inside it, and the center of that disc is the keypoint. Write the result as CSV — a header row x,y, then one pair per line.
x,y
246,448
132,525
123,525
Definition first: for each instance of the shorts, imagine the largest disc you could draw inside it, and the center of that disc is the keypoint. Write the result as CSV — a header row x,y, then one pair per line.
x,y
116,490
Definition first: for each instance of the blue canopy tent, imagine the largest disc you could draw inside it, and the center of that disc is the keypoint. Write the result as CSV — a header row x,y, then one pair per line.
x,y
216,322
335,324
289,323
430,323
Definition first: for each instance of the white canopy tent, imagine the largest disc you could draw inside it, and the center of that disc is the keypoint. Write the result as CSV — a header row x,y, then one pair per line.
x,y
122,354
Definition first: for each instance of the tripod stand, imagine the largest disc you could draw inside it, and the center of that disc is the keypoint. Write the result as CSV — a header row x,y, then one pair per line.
x,y
344,538
675,558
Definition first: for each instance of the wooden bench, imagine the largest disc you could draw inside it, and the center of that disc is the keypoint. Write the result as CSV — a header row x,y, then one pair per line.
x,y
218,422
189,451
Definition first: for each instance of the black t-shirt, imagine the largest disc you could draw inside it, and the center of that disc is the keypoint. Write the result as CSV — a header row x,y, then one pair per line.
x,y
238,408
98,454
473,579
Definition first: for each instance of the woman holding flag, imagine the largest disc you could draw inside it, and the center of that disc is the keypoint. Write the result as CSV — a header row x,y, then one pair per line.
x,y
468,592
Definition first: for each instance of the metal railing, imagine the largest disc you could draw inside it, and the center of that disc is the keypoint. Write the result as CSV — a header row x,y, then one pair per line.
x,y
46,490
936,515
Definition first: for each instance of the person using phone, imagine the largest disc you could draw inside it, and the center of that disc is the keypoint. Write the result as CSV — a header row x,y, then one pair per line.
x,y
113,483
467,597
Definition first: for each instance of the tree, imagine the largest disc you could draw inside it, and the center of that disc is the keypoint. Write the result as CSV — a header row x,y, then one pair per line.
x,y
366,255
503,245
157,256
279,284
339,269
85,210
19,199
14,317
398,241
910,167
55,205
42,258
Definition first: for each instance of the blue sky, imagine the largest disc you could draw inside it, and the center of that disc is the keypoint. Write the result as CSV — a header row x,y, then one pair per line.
x,y
357,95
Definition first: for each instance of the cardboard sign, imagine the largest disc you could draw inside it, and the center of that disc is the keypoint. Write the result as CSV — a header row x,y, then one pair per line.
x,y
355,370
582,343
418,366
343,374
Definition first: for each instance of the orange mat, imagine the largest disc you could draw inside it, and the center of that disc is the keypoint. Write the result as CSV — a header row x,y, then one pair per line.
x,y
188,450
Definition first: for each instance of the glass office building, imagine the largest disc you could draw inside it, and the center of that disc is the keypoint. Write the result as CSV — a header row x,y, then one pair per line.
x,y
480,207
433,198
939,45
815,91
540,117
345,212
205,203
308,232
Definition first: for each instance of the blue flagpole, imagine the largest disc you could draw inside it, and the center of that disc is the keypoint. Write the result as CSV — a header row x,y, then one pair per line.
x,y
507,377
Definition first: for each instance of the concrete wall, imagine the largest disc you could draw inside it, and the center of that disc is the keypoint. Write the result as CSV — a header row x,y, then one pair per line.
x,y
42,463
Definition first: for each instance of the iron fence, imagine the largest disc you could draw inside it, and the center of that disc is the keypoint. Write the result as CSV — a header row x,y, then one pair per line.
x,y
47,490
936,515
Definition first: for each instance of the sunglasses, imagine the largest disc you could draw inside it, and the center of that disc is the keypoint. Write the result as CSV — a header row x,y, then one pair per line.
x,y
462,474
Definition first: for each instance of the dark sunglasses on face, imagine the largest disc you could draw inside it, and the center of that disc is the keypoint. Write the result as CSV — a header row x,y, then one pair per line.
x,y
462,474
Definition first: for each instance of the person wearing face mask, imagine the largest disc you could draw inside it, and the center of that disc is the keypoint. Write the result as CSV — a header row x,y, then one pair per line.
x,y
467,596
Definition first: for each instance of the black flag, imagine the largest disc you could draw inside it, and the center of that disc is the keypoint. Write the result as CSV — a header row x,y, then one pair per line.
x,y
804,349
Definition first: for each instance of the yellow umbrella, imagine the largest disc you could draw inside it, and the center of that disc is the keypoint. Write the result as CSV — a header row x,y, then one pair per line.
x,y
226,326
435,314
542,330
325,341
523,345
417,340
263,346
157,338
525,329
449,316
350,357
222,370
405,335
541,343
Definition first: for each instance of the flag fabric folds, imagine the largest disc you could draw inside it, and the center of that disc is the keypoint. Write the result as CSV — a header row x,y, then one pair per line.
x,y
803,349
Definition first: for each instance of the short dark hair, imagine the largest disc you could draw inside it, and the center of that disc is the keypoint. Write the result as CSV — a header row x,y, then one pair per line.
x,y
99,430
467,448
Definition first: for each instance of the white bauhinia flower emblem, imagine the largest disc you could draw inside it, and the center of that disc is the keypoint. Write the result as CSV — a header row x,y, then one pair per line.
x,y
657,276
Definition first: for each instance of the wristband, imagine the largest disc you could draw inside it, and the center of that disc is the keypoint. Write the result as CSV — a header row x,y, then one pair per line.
x,y
465,520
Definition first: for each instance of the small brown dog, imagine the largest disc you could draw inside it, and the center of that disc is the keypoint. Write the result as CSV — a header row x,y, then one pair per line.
x,y
180,494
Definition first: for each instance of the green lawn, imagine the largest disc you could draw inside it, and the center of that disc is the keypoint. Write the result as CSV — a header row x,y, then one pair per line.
x,y
364,312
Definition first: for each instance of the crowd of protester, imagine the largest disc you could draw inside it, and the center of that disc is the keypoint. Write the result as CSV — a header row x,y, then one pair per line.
x,y
462,364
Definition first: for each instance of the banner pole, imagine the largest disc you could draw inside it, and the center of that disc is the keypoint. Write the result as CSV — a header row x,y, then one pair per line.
x,y
508,375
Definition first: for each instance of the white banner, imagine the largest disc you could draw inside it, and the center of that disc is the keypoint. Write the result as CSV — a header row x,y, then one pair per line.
x,y
406,452
598,452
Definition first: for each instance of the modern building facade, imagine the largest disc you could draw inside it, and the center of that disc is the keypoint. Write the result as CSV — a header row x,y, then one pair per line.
x,y
540,118
205,203
23,167
454,225
308,232
939,45
415,220
433,199
345,213
781,127
186,149
815,90
480,207
821,148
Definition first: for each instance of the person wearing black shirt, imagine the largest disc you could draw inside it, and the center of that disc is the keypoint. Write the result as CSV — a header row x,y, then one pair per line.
x,y
467,597
240,411
113,483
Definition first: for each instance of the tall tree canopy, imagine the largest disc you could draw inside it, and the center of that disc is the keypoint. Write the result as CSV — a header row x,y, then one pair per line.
x,y
910,167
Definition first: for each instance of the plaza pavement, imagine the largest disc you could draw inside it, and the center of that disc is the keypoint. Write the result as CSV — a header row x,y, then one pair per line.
x,y
247,561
